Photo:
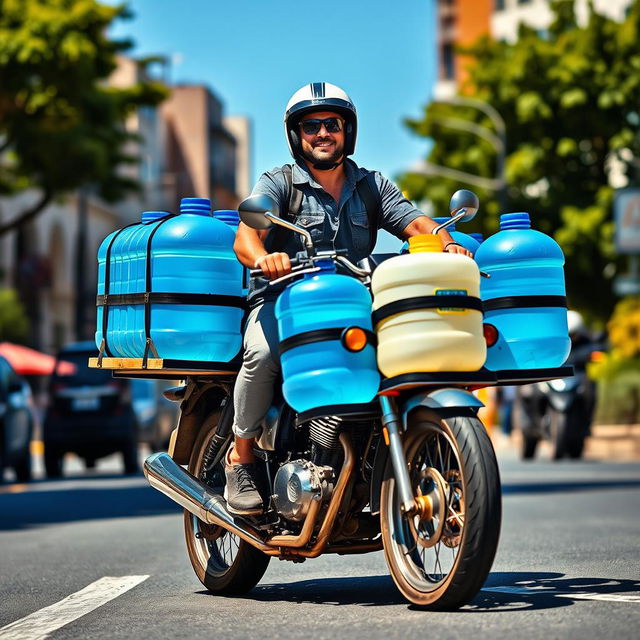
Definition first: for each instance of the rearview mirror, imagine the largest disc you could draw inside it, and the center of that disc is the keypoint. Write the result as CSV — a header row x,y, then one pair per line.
x,y
252,211
467,200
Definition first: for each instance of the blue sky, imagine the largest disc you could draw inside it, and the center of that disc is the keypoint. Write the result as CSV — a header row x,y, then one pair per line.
x,y
255,53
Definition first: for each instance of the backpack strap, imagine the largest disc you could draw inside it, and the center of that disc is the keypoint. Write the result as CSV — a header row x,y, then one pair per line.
x,y
367,190
370,194
294,200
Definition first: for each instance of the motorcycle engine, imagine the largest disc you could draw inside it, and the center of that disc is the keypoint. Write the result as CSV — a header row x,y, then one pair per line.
x,y
296,484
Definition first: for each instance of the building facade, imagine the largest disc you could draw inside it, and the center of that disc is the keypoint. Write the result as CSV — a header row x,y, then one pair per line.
x,y
462,22
185,149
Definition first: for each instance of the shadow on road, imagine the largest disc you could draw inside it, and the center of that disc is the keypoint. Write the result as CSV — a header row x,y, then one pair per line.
x,y
562,486
41,504
537,590
501,592
365,591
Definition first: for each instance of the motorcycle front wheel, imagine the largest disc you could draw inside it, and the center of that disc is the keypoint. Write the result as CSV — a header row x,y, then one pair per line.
x,y
440,558
225,564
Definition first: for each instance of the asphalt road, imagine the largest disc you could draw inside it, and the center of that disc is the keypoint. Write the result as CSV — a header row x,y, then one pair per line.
x,y
568,566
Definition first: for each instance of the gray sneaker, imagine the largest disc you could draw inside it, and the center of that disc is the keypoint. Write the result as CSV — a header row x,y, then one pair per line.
x,y
243,497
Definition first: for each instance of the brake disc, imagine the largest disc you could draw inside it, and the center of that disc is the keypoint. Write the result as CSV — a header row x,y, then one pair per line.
x,y
454,521
428,525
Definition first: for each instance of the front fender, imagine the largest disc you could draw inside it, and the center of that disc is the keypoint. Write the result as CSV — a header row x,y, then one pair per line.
x,y
446,402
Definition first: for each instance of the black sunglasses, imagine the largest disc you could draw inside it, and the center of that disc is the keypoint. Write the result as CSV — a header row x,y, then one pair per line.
x,y
313,125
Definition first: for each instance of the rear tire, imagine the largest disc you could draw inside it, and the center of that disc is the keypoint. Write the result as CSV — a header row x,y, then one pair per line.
x,y
52,461
442,562
130,457
23,468
529,446
224,563
558,429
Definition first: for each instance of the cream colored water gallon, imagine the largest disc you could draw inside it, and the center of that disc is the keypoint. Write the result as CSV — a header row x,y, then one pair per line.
x,y
427,311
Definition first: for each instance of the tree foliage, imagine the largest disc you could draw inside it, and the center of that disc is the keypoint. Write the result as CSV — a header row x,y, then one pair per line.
x,y
570,99
61,124
14,324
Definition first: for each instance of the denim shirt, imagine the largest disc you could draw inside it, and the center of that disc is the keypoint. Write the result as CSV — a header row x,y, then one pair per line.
x,y
332,226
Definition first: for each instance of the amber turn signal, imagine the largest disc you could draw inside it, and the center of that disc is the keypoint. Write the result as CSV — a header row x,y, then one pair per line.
x,y
490,334
354,339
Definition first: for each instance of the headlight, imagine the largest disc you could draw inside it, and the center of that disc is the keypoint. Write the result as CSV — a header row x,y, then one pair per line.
x,y
558,385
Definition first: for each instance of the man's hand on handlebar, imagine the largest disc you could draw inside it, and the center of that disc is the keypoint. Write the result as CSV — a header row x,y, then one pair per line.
x,y
274,265
454,247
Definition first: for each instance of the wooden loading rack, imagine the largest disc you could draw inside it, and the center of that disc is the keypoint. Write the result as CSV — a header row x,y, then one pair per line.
x,y
163,367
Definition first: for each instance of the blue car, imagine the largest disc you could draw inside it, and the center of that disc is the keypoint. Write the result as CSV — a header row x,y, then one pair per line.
x,y
17,420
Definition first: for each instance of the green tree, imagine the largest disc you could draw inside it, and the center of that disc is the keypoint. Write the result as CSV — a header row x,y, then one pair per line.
x,y
571,103
14,324
61,125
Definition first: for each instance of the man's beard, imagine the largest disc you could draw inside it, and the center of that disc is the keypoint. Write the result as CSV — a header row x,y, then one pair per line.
x,y
321,160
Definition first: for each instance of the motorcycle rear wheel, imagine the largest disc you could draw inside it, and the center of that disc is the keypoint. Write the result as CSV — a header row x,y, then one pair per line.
x,y
441,563
225,564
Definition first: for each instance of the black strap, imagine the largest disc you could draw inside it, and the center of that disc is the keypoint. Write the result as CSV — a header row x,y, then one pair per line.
x,y
321,335
157,297
147,305
278,236
370,195
107,284
426,302
521,302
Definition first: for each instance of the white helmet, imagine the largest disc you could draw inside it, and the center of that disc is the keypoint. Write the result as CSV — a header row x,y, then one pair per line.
x,y
575,322
320,96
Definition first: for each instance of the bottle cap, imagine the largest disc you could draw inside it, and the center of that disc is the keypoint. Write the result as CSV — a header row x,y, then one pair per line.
x,y
519,220
151,216
425,243
229,216
199,206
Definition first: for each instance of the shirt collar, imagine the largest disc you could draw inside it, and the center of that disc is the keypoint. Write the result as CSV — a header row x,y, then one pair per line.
x,y
300,173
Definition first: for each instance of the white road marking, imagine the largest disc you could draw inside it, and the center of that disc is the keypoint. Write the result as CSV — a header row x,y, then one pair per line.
x,y
42,623
579,595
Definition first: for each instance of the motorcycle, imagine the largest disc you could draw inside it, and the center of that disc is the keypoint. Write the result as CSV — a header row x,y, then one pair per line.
x,y
559,411
412,473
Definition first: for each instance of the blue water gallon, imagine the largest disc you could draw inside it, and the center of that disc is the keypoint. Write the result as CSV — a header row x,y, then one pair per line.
x,y
187,266
478,237
468,241
232,218
524,297
318,370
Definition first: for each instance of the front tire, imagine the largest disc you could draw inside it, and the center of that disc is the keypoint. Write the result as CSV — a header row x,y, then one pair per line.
x,y
224,563
441,560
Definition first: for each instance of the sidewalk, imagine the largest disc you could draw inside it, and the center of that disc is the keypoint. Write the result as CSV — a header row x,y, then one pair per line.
x,y
615,442
608,442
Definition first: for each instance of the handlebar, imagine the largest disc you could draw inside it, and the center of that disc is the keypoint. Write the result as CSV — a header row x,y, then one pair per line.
x,y
257,273
302,265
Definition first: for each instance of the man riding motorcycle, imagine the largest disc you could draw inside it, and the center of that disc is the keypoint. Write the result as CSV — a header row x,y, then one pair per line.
x,y
342,206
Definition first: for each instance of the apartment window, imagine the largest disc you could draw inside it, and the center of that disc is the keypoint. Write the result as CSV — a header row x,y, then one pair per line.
x,y
448,62
500,5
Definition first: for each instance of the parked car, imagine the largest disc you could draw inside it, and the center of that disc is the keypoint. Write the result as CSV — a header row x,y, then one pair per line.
x,y
93,415
157,416
17,421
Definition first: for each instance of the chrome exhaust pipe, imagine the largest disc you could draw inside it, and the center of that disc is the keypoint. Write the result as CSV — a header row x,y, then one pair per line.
x,y
168,477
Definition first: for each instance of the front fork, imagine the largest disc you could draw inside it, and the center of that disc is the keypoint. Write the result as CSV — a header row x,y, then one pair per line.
x,y
391,425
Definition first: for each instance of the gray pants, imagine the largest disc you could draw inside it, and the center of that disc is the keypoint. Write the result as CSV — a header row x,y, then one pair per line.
x,y
260,368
